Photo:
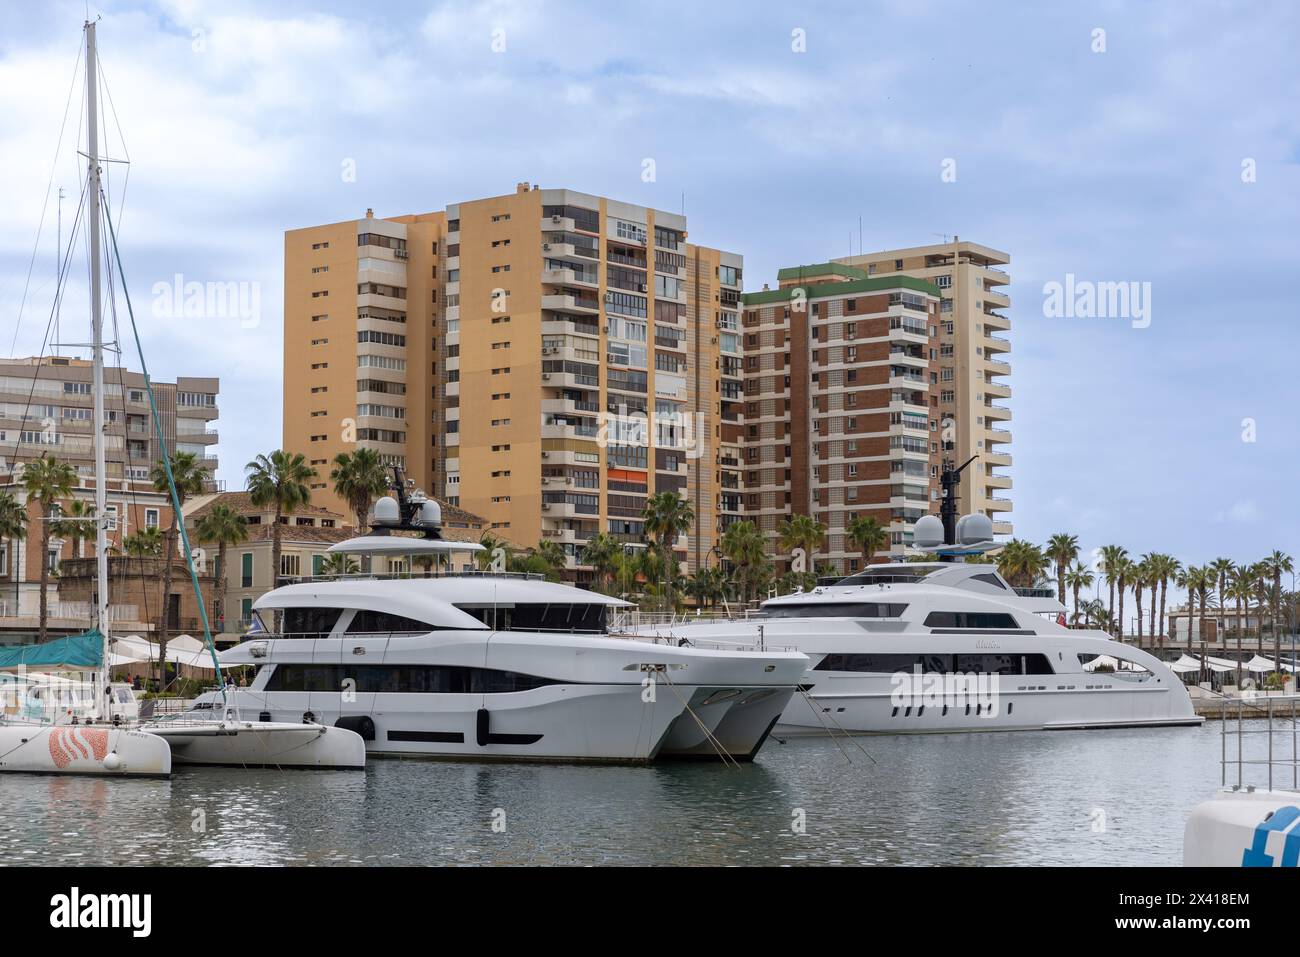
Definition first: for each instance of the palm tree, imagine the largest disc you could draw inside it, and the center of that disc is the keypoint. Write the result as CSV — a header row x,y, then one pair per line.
x,y
602,553
279,480
1276,565
708,586
1142,578
1097,615
806,534
1111,557
13,526
666,517
490,544
1199,582
1079,576
553,558
188,478
1062,549
1021,563
1221,568
744,546
1165,568
359,478
340,563
1240,588
47,480
867,535
146,543
76,522
222,525
1124,570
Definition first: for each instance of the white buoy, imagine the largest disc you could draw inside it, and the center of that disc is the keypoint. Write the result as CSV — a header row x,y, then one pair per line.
x,y
112,762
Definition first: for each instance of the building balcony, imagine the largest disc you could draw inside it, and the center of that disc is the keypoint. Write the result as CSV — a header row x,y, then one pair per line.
x,y
997,299
995,503
567,303
558,224
997,366
897,405
995,320
998,390
906,381
995,458
204,437
994,343
565,277
560,250
553,429
570,407
992,411
553,326
995,481
570,380
996,277
903,359
996,436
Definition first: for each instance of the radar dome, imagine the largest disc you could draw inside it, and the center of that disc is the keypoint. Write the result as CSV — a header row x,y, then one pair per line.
x,y
430,513
387,511
928,532
974,528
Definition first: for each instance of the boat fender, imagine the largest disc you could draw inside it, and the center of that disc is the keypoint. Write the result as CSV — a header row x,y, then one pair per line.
x,y
309,717
362,724
264,716
481,727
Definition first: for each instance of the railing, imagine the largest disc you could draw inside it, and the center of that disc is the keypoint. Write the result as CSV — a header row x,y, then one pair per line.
x,y
1280,714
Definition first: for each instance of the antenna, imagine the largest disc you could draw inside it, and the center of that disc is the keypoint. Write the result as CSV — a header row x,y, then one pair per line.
x,y
951,479
58,270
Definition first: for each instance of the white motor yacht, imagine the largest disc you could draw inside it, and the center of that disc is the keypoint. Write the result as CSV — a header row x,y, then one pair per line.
x,y
493,665
939,647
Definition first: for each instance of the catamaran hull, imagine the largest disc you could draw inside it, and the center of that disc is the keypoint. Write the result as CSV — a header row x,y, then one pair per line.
x,y
265,744
613,723
100,751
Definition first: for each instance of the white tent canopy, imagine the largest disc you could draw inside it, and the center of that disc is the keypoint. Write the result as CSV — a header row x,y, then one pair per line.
x,y
137,649
1187,664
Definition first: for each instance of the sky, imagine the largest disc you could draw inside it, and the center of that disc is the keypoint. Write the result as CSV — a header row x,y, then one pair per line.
x,y
1155,144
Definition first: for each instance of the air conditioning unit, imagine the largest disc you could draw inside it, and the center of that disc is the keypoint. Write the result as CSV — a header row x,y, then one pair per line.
x,y
546,247
546,377
641,287
546,506
555,219
546,455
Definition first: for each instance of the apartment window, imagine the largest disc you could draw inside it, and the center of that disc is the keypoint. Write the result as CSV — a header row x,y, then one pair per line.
x,y
151,518
290,566
320,365
246,571
320,245
898,264
501,218
320,342
316,269
321,318
320,294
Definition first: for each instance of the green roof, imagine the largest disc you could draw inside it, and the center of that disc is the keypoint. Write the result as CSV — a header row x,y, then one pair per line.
x,y
820,269
827,289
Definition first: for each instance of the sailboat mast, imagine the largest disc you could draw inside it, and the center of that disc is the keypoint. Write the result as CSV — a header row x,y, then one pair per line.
x,y
97,340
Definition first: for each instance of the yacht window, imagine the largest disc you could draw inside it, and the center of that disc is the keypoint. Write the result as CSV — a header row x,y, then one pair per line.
x,y
310,622
938,664
990,579
548,617
886,574
969,619
860,609
370,622
1109,664
403,679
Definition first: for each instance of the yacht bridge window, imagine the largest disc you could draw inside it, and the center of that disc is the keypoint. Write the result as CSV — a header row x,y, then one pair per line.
x,y
982,663
402,679
970,619
541,617
309,622
857,609
367,621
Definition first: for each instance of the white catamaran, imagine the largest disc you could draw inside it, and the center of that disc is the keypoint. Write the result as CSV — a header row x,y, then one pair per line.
x,y
99,739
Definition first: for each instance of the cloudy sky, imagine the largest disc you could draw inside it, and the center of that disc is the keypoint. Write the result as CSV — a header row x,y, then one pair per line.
x,y
1164,150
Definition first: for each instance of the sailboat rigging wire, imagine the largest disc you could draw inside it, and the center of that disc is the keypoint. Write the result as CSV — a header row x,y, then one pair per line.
x,y
167,467
103,85
45,206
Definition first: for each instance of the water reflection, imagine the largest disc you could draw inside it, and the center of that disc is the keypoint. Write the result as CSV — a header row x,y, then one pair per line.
x,y
1022,798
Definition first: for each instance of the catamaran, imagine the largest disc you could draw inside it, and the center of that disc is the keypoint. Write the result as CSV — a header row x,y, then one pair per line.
x,y
99,739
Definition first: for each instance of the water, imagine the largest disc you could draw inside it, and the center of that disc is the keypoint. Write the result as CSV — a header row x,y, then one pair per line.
x,y
1012,798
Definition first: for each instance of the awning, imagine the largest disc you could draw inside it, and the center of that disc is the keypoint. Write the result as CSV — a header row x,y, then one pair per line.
x,y
1187,663
139,649
1263,665
84,652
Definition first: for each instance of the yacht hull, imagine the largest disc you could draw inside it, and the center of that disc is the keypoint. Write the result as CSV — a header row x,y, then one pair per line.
x,y
263,744
1244,829
99,751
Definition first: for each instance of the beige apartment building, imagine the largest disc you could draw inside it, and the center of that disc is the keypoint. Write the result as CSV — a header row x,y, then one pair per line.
x,y
546,359
841,404
46,408
973,366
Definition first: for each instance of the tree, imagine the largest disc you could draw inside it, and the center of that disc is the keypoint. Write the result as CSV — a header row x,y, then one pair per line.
x,y
867,535
1141,577
487,556
805,534
146,543
13,527
1079,576
359,478
1276,565
188,476
47,480
1199,582
1165,568
76,522
339,563
1240,588
708,586
666,517
743,545
1062,549
1021,563
1097,615
279,480
602,553
223,526
1112,556
1124,570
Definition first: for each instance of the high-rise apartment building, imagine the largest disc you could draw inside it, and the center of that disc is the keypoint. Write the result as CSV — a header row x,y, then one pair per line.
x,y
841,410
46,408
973,367
546,359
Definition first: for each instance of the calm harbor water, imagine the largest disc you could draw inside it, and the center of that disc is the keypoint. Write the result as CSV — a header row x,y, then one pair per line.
x,y
1015,798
